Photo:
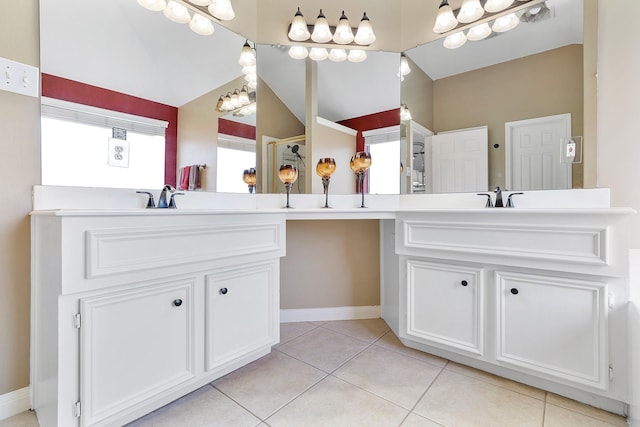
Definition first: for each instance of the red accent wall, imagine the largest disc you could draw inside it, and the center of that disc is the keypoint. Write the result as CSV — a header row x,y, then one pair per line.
x,y
242,130
378,120
81,93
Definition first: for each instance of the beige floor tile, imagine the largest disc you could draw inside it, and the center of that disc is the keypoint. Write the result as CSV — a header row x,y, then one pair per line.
x,y
458,400
590,411
536,393
203,407
289,331
270,382
324,349
556,416
393,376
333,402
391,342
23,419
365,329
415,420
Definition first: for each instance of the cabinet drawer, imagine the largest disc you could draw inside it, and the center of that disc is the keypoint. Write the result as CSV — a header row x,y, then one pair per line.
x,y
553,326
134,344
445,305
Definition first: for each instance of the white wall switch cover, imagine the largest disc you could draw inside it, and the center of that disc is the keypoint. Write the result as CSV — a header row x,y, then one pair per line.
x,y
19,78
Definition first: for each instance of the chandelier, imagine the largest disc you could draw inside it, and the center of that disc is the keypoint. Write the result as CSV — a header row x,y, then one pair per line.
x,y
240,102
199,14
475,17
336,38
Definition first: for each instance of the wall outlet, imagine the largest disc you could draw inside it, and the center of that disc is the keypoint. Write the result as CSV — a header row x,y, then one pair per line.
x,y
19,78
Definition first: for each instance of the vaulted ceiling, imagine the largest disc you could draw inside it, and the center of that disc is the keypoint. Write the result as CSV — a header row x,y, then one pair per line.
x,y
121,46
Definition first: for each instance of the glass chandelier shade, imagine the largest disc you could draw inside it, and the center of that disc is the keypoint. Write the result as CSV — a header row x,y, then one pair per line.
x,y
247,55
201,2
337,55
321,31
471,10
343,34
298,52
505,23
201,25
364,34
445,20
318,54
154,5
404,66
177,12
222,9
494,6
405,114
357,55
455,40
479,32
299,31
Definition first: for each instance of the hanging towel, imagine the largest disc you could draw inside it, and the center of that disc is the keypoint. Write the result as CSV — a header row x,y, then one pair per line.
x,y
184,177
194,177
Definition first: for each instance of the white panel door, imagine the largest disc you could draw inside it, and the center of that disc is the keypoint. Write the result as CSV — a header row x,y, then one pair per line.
x,y
134,344
534,153
444,306
553,326
460,161
241,312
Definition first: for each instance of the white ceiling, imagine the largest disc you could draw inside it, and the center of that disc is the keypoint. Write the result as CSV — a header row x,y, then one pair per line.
x,y
118,45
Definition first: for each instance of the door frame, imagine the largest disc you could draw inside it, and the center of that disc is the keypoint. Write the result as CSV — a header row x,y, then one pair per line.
x,y
508,130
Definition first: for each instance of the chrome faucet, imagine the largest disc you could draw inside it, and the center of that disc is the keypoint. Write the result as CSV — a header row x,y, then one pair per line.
x,y
162,199
499,203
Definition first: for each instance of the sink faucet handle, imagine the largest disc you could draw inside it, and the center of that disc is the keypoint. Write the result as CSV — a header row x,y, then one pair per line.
x,y
150,202
510,201
489,203
172,202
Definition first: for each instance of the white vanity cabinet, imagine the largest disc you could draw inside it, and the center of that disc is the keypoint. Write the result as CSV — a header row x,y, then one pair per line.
x,y
553,326
445,305
543,302
133,309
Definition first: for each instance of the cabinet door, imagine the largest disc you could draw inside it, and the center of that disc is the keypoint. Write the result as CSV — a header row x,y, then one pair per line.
x,y
554,326
241,312
134,344
445,306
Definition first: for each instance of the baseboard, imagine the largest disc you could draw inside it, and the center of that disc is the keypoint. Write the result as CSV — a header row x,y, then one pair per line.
x,y
329,313
14,402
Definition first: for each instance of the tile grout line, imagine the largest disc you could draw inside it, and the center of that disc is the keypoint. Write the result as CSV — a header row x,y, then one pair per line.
x,y
411,411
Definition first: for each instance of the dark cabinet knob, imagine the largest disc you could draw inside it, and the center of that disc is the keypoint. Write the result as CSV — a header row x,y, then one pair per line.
x,y
177,302
514,291
223,291
464,283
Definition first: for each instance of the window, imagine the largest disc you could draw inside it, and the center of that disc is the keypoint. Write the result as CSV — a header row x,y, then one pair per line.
x,y
78,148
384,146
235,154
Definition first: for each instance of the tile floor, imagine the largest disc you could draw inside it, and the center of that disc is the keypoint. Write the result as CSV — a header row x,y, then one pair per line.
x,y
357,373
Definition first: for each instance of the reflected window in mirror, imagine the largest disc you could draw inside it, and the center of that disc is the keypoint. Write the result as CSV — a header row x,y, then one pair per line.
x,y
235,155
384,146
91,147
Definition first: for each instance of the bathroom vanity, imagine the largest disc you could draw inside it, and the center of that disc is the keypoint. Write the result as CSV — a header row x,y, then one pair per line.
x,y
133,308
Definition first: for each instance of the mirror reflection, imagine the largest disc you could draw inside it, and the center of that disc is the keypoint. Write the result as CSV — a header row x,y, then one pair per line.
x,y
148,58
499,111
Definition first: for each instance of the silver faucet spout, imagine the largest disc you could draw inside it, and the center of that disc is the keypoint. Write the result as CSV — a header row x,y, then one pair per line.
x,y
162,200
498,203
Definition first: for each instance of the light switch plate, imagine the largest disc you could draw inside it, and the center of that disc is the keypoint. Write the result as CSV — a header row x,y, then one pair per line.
x,y
19,78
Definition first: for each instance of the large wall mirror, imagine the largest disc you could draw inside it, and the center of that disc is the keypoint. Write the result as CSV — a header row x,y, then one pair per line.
x,y
523,88
120,46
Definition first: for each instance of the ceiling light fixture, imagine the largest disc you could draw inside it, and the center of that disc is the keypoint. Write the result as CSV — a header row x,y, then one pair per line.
x,y
404,67
405,114
321,32
501,12
199,14
240,102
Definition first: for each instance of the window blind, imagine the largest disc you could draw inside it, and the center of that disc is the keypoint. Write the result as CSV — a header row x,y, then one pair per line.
x,y
79,113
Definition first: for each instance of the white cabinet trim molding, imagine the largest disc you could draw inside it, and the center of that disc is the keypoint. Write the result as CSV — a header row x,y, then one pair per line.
x,y
582,245
134,249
